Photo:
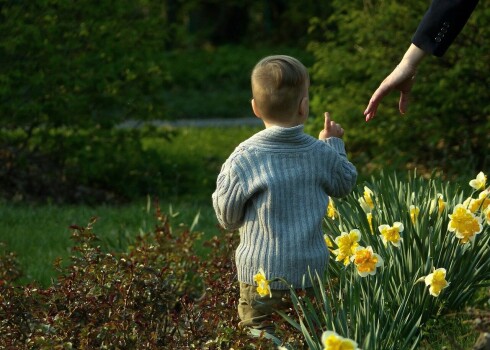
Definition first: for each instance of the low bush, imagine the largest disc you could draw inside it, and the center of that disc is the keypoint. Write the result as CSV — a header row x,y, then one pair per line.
x,y
156,295
9,265
74,165
94,165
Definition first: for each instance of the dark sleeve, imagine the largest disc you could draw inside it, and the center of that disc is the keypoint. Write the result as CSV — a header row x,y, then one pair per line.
x,y
441,24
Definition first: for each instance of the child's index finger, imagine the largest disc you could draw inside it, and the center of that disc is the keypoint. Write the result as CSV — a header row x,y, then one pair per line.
x,y
327,121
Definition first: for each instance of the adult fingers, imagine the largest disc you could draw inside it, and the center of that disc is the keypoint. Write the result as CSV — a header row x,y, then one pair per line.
x,y
378,95
405,90
403,104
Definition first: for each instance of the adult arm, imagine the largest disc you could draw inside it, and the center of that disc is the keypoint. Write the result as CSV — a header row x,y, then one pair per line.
x,y
440,25
401,79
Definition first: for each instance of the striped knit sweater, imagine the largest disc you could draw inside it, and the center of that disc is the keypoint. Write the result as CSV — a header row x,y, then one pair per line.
x,y
274,188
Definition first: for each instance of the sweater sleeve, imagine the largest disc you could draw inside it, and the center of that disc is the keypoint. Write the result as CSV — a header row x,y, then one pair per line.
x,y
228,198
344,174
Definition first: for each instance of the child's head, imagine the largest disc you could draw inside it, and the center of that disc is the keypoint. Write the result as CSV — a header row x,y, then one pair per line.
x,y
280,90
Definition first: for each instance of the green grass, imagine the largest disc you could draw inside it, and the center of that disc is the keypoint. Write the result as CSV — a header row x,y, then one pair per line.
x,y
451,331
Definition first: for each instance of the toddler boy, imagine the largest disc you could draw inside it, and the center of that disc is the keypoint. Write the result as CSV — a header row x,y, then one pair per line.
x,y
275,186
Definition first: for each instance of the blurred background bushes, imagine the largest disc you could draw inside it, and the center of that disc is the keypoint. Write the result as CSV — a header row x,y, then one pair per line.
x,y
71,72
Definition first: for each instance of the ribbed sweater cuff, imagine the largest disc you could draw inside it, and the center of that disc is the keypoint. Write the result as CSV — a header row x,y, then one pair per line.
x,y
336,144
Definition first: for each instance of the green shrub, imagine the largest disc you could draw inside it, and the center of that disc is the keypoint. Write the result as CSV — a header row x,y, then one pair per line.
x,y
77,165
214,82
81,63
96,165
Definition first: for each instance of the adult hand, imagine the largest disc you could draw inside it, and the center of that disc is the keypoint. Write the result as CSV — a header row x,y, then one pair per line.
x,y
401,79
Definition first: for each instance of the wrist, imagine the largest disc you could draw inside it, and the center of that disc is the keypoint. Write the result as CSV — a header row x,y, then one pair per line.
x,y
412,57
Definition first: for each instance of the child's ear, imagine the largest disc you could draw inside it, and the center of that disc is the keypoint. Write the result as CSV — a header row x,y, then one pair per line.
x,y
304,107
255,109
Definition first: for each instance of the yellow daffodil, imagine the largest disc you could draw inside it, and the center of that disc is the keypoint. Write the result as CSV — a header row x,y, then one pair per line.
x,y
366,201
366,261
479,182
391,233
464,224
262,284
486,215
331,211
333,341
479,204
439,202
370,221
436,281
414,213
328,241
347,243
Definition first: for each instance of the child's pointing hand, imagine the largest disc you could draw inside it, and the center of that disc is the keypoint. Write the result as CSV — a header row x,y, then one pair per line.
x,y
330,129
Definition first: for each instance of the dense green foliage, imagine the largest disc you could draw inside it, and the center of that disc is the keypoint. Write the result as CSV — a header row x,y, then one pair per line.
x,y
68,63
70,71
447,126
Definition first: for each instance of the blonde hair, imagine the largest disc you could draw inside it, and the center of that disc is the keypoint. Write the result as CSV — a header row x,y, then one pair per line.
x,y
278,85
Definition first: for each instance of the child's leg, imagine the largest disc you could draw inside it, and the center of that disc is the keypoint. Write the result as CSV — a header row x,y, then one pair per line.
x,y
256,311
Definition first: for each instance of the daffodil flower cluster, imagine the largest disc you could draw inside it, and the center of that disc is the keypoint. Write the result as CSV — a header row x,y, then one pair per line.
x,y
464,224
479,182
391,234
479,204
466,221
328,242
366,261
439,202
414,213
